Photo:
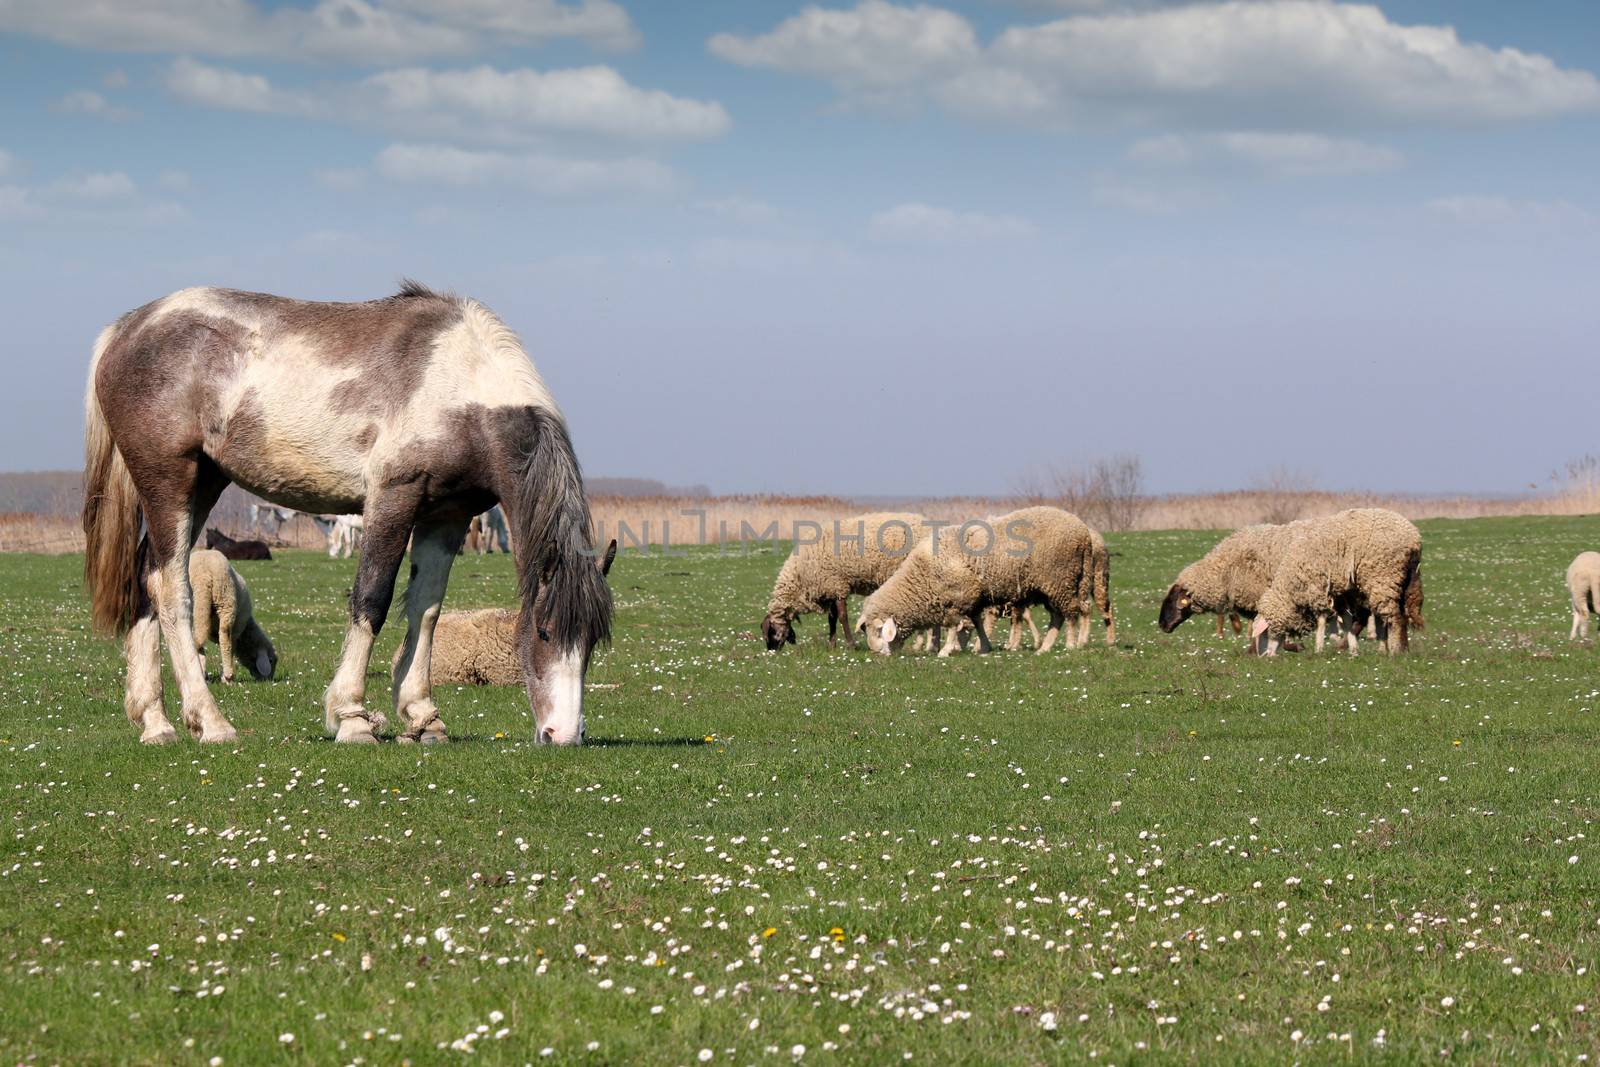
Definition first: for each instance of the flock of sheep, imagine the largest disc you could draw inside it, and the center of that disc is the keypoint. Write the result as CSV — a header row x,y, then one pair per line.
x,y
1354,569
1352,573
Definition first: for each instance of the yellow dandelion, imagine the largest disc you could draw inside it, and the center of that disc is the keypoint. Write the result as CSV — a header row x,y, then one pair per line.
x,y
339,937
499,734
710,738
769,931
1458,742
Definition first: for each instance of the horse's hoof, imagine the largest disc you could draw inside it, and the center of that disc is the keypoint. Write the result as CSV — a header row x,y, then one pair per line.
x,y
435,734
355,731
224,734
159,735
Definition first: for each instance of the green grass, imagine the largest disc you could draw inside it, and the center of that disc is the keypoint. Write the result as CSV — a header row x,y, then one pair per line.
x,y
1178,850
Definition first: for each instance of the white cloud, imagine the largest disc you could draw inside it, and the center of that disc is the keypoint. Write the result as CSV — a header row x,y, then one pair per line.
x,y
360,31
481,103
16,202
231,90
174,181
97,187
342,179
8,162
924,222
741,209
99,197
1271,63
875,47
536,172
593,99
1504,212
89,102
601,22
1141,197
1285,154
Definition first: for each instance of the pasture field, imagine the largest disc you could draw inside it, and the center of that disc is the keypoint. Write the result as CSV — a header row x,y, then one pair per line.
x,y
1161,850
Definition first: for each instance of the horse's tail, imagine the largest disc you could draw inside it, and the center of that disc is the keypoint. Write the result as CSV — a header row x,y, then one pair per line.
x,y
110,516
549,515
1102,591
1411,596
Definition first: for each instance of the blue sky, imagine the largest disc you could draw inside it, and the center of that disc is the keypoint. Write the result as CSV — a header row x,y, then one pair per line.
x,y
863,248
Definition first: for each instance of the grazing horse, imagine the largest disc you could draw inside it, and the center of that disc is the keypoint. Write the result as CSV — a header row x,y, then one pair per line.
x,y
220,541
416,411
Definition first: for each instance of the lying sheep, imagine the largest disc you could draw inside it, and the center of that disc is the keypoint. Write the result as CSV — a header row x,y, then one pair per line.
x,y
473,648
222,613
853,556
1583,582
1035,555
1365,561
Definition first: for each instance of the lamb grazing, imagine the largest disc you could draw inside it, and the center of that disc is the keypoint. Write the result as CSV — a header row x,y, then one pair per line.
x,y
1583,582
473,648
1356,562
232,549
856,556
222,613
1032,556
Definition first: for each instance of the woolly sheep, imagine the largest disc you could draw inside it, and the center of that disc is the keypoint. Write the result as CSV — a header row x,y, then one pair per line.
x,y
1583,582
1035,555
1230,580
473,648
222,613
1358,562
854,556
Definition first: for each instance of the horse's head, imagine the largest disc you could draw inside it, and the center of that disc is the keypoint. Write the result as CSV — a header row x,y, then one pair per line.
x,y
555,643
214,537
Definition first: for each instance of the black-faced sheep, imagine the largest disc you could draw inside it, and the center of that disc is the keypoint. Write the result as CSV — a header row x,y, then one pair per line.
x,y
222,613
854,556
1365,561
221,542
1583,583
1035,555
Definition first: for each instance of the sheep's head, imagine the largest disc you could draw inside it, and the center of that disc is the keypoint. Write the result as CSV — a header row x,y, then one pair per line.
x,y
883,634
1178,605
776,630
256,650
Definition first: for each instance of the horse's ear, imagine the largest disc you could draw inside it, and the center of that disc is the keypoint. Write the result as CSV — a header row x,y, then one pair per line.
x,y
611,554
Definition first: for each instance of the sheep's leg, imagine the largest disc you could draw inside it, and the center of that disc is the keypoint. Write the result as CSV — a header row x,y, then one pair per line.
x,y
432,553
1238,625
1322,631
1014,638
1027,613
1084,621
984,648
1580,624
225,622
844,620
1053,630
390,516
832,608
1219,626
952,642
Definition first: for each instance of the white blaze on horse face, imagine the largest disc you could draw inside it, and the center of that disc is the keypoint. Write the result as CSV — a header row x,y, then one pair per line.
x,y
558,713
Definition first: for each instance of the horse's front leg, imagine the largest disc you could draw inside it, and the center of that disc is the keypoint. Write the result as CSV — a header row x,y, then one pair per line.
x,y
345,701
432,552
175,609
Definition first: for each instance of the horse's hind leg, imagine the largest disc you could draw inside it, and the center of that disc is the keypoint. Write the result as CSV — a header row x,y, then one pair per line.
x,y
172,526
142,651
432,552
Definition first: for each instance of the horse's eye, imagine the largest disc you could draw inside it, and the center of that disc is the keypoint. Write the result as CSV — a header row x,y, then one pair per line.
x,y
544,635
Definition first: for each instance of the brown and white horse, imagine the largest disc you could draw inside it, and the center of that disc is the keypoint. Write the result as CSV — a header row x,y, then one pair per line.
x,y
416,411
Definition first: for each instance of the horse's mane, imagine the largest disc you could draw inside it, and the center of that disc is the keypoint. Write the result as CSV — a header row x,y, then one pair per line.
x,y
411,289
555,557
